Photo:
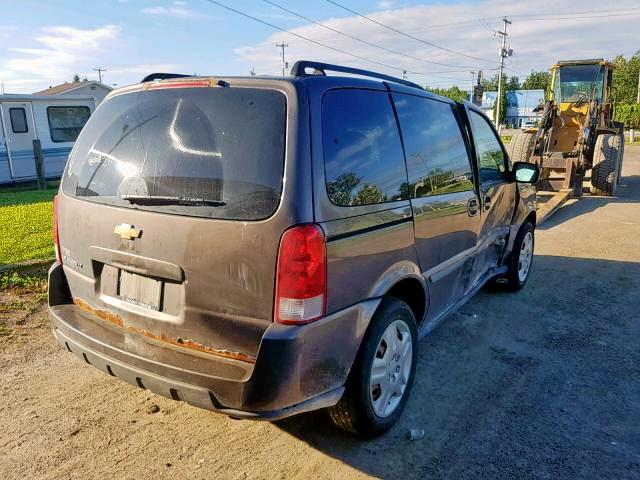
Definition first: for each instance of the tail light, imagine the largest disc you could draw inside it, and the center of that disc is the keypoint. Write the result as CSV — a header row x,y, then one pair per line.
x,y
301,278
56,241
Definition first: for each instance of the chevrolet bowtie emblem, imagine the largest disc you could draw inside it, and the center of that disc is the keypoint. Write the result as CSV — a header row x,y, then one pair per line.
x,y
127,231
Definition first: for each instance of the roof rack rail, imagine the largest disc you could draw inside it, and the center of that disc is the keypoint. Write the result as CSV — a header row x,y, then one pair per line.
x,y
300,67
163,76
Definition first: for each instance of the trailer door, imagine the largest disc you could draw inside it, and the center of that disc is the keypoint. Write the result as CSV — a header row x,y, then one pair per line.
x,y
20,132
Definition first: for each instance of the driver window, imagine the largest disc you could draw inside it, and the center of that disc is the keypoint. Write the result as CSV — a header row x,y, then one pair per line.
x,y
490,154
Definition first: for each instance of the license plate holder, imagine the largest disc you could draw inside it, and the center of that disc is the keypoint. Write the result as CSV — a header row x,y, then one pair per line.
x,y
140,290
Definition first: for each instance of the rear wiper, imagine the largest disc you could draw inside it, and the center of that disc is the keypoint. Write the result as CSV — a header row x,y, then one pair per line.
x,y
171,200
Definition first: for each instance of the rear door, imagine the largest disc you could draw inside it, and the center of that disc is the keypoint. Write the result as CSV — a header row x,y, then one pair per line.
x,y
443,196
171,212
20,131
497,192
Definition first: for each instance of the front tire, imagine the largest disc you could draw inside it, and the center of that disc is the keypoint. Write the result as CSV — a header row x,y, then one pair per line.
x,y
606,158
382,375
620,160
520,260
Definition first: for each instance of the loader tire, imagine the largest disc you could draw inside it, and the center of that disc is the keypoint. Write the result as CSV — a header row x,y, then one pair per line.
x,y
521,147
621,157
606,160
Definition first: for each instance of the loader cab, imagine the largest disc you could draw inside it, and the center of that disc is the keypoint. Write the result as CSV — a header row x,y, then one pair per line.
x,y
576,85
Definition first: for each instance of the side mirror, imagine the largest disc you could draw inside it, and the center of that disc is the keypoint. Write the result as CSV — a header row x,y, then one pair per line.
x,y
524,172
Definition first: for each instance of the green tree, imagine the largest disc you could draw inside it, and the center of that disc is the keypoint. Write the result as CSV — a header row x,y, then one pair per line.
x,y
625,79
454,93
340,189
76,78
491,84
537,81
368,195
512,84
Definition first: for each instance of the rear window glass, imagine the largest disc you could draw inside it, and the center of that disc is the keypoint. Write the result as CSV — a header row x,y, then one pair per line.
x,y
210,152
363,158
437,159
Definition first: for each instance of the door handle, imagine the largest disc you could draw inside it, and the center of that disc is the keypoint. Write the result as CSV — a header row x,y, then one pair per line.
x,y
487,202
472,207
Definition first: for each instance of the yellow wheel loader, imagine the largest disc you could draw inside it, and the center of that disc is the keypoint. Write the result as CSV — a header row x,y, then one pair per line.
x,y
575,134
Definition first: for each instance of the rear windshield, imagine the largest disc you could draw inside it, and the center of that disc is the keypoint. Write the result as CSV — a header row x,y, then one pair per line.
x,y
209,152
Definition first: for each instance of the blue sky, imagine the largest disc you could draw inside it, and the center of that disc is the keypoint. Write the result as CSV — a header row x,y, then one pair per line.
x,y
131,38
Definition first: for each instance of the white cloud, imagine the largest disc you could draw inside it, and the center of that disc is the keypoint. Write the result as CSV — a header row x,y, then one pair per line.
x,y
178,9
537,44
59,52
385,4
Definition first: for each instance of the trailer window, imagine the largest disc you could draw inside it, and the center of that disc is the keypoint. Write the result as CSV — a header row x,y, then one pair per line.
x,y
65,123
18,120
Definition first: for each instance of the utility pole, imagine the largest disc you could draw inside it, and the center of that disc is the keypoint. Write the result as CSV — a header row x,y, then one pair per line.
x,y
282,46
504,53
100,70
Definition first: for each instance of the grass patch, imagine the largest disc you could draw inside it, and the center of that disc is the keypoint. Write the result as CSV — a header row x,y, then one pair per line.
x,y
5,331
26,217
17,305
34,280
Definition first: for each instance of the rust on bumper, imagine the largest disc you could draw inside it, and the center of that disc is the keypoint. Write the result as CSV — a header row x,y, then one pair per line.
x,y
180,342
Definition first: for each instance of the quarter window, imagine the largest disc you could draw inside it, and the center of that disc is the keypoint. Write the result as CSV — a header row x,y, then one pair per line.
x,y
18,120
65,123
488,147
363,155
437,158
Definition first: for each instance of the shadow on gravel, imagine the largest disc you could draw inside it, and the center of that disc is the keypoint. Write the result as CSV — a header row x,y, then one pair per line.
x,y
544,383
628,192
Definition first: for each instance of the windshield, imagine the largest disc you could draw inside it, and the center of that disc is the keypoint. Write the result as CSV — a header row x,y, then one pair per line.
x,y
212,152
578,83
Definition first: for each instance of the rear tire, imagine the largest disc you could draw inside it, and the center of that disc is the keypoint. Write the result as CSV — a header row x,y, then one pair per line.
x,y
606,159
375,395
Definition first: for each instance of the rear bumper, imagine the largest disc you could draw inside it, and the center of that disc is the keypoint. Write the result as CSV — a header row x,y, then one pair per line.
x,y
297,369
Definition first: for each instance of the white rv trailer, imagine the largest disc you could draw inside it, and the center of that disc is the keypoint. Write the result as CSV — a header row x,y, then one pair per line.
x,y
55,121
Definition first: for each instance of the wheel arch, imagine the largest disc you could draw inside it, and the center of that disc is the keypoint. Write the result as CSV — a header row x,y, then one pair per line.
x,y
404,280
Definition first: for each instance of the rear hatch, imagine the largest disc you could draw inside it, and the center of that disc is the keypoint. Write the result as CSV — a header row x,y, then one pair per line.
x,y
168,218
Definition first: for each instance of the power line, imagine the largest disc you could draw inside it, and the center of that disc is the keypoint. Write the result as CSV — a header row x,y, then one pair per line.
x,y
540,17
366,42
297,35
408,35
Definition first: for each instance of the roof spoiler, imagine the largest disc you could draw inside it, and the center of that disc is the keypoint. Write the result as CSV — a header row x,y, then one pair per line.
x,y
163,76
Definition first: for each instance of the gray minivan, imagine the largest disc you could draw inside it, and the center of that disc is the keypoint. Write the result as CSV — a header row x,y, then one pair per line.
x,y
266,246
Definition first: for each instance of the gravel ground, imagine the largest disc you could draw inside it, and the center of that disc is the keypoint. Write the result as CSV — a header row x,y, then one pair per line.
x,y
544,383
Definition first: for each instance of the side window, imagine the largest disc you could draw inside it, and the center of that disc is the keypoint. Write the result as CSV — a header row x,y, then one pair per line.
x,y
65,123
490,154
18,120
437,158
363,158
